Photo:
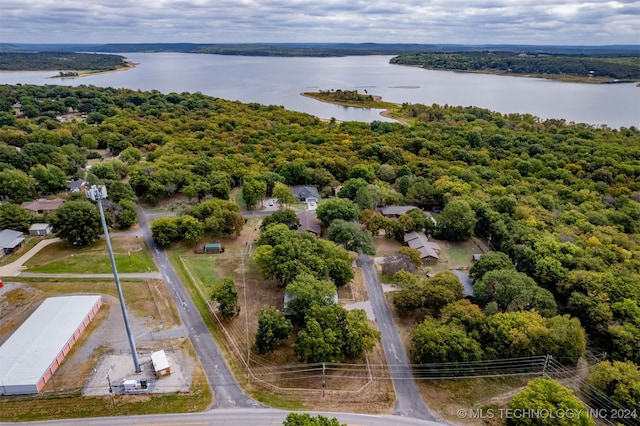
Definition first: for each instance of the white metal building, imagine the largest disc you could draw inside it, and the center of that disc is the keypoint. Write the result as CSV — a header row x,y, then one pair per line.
x,y
36,349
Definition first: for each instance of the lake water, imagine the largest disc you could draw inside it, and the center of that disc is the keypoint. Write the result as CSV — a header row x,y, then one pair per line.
x,y
279,81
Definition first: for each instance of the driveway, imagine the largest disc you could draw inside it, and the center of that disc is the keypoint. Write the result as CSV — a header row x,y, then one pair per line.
x,y
408,400
227,393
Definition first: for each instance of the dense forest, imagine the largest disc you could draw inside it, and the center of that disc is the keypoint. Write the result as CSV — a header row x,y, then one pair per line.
x,y
610,66
560,200
54,61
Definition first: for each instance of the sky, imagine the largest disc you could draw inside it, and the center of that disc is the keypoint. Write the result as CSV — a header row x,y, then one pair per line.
x,y
558,22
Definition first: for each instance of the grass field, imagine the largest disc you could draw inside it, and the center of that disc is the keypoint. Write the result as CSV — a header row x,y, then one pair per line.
x,y
131,255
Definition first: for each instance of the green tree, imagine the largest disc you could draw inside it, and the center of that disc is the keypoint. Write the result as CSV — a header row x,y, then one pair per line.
x,y
317,344
227,297
50,178
190,228
304,419
547,394
332,333
253,191
286,217
131,155
283,194
305,291
491,261
513,291
126,214
351,236
165,230
15,217
432,342
77,222
337,208
619,381
273,328
457,221
16,185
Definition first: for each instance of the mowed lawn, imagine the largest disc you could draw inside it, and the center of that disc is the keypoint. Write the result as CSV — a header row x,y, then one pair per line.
x,y
131,255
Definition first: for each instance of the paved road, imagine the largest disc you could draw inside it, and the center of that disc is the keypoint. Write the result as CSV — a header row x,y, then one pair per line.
x,y
408,400
229,417
227,394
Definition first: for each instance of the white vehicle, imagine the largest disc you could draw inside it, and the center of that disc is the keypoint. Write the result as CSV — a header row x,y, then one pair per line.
x,y
270,203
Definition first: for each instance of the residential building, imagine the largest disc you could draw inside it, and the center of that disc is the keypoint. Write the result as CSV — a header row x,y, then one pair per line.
x,y
42,205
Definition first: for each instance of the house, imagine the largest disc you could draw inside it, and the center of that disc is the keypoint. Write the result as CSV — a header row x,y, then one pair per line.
x,y
395,211
77,185
429,251
308,222
305,193
42,205
40,229
10,240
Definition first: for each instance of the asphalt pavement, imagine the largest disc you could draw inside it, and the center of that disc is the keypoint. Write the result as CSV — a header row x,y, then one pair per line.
x,y
408,400
227,393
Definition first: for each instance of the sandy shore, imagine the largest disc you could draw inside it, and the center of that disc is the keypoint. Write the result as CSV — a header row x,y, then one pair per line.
x,y
128,66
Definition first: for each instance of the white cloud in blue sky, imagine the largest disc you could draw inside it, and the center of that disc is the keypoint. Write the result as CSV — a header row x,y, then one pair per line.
x,y
410,21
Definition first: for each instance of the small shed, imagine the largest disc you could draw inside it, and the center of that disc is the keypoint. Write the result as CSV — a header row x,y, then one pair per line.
x,y
161,363
210,248
40,229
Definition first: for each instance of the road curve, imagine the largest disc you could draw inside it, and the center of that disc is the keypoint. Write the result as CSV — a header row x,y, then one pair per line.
x,y
408,399
227,393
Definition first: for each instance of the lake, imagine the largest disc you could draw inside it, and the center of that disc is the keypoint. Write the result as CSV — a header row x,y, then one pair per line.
x,y
279,81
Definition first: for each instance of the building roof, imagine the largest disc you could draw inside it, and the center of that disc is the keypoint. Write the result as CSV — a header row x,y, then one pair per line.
x,y
396,210
308,222
420,242
10,239
159,360
42,205
305,191
31,349
75,185
39,227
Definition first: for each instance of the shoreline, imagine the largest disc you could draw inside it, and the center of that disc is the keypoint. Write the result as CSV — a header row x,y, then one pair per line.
x,y
128,65
385,112
550,77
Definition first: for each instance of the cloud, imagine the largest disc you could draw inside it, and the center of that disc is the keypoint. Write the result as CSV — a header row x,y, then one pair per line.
x,y
412,21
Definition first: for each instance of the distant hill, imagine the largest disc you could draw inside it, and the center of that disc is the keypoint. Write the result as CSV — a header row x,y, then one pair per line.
x,y
317,49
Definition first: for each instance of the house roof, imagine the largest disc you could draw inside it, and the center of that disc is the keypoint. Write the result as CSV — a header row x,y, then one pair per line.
x,y
10,239
39,227
420,242
305,191
396,210
308,222
76,184
42,204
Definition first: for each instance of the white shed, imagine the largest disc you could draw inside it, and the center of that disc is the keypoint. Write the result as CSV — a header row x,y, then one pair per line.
x,y
40,229
161,363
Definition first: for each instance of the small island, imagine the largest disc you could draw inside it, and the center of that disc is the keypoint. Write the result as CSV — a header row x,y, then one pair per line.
x,y
350,98
68,64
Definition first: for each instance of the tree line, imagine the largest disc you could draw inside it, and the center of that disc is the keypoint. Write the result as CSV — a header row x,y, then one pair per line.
x,y
610,66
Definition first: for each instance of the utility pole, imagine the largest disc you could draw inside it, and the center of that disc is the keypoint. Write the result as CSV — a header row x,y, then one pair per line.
x,y
97,194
